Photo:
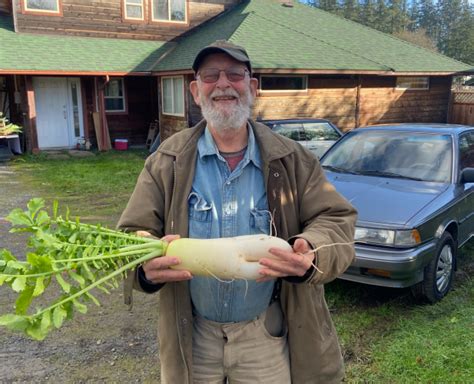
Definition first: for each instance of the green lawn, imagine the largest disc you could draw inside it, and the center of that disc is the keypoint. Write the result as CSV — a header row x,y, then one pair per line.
x,y
386,336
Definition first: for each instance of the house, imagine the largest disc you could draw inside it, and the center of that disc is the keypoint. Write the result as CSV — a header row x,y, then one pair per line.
x,y
82,68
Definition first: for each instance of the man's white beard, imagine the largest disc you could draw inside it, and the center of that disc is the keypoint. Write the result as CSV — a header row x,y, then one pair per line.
x,y
229,117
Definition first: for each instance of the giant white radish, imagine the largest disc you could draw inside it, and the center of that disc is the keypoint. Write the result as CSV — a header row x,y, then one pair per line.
x,y
225,258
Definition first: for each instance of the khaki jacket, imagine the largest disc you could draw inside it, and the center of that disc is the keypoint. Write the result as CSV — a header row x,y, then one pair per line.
x,y
305,205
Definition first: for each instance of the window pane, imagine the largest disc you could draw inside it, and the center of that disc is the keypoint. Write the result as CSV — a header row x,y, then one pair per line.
x,y
114,88
282,83
168,95
114,104
466,147
413,82
137,2
134,11
160,9
44,5
75,110
177,10
178,96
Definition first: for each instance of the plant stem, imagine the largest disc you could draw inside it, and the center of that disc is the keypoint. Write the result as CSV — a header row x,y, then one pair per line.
x,y
117,272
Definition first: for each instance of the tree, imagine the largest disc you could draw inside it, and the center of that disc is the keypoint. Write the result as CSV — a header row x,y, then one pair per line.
x,y
397,16
418,37
367,13
350,10
456,36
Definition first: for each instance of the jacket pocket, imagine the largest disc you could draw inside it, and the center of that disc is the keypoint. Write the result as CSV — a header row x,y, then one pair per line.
x,y
200,216
260,221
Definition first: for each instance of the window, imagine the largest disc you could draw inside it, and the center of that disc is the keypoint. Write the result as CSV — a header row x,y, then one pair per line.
x,y
418,82
283,83
133,10
115,96
168,10
466,149
43,6
172,95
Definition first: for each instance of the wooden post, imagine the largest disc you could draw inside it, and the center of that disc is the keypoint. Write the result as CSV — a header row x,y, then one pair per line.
x,y
32,136
85,111
357,106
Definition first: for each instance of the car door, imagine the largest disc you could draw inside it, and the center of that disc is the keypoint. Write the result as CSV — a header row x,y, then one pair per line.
x,y
466,211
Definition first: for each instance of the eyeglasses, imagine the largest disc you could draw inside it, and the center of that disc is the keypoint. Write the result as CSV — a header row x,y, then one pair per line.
x,y
211,75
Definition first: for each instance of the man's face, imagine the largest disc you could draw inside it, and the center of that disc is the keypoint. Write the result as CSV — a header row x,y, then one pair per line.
x,y
226,102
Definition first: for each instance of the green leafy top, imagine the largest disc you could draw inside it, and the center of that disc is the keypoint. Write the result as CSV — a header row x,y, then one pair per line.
x,y
78,257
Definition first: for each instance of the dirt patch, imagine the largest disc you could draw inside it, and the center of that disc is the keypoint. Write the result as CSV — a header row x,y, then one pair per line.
x,y
107,345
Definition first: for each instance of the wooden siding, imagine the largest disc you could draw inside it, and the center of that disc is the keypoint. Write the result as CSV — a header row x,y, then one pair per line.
x,y
103,18
462,107
336,98
381,102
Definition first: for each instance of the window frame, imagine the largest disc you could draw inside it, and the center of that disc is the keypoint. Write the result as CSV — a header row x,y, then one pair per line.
x,y
124,97
183,22
412,78
125,17
172,96
286,91
26,10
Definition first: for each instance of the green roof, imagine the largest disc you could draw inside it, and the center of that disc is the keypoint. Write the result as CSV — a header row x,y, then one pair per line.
x,y
303,37
34,52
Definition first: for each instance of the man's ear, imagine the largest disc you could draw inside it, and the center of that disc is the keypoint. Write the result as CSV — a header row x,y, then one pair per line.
x,y
254,86
193,88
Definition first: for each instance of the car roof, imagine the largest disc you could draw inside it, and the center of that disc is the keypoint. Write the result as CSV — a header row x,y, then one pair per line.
x,y
274,121
419,127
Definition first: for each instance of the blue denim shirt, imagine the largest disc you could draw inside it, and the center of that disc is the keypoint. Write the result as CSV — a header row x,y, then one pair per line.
x,y
225,203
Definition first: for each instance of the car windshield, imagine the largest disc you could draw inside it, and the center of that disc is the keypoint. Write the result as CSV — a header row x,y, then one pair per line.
x,y
307,131
397,154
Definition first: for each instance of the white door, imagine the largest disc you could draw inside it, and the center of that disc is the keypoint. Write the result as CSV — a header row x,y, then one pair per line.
x,y
58,111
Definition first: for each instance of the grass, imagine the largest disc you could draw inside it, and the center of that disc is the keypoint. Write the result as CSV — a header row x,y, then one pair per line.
x,y
386,336
97,186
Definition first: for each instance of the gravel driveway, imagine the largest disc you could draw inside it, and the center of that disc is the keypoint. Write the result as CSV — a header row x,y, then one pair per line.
x,y
107,345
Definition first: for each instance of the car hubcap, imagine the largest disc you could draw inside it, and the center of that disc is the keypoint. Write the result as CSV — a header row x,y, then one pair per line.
x,y
444,268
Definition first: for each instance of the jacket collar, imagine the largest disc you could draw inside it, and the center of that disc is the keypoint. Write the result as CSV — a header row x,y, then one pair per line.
x,y
272,145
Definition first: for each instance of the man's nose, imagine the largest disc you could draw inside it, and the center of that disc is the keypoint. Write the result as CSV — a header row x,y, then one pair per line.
x,y
222,81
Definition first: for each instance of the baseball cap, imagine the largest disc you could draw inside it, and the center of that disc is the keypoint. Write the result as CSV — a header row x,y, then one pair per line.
x,y
223,46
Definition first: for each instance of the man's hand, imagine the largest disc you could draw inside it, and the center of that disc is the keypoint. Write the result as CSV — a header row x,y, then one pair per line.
x,y
288,263
158,270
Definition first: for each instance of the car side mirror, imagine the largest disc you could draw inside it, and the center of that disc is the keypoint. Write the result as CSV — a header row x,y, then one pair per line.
x,y
467,175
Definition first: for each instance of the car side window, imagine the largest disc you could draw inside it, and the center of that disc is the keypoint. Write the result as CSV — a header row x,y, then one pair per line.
x,y
466,151
292,131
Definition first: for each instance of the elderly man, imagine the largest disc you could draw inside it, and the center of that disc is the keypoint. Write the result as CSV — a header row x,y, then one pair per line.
x,y
231,176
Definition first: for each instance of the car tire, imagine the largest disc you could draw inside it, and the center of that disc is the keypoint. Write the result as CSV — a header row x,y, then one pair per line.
x,y
439,273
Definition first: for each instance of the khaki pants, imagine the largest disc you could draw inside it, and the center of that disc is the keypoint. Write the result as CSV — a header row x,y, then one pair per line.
x,y
248,352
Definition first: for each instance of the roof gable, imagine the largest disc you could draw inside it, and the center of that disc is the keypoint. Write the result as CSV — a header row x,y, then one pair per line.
x,y
303,37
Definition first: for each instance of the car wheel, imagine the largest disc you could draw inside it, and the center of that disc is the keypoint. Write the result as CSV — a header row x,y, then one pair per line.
x,y
438,274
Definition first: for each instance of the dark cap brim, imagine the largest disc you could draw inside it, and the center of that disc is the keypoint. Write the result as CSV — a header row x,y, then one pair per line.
x,y
235,54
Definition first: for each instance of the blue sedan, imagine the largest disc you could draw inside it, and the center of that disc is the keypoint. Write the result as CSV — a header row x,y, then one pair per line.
x,y
413,185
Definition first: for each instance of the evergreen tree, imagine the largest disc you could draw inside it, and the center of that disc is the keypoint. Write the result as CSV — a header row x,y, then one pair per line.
x,y
428,18
367,13
350,10
456,32
397,16
330,6
382,20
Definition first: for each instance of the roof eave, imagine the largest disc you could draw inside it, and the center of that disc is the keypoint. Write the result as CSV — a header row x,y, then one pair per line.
x,y
327,72
71,73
